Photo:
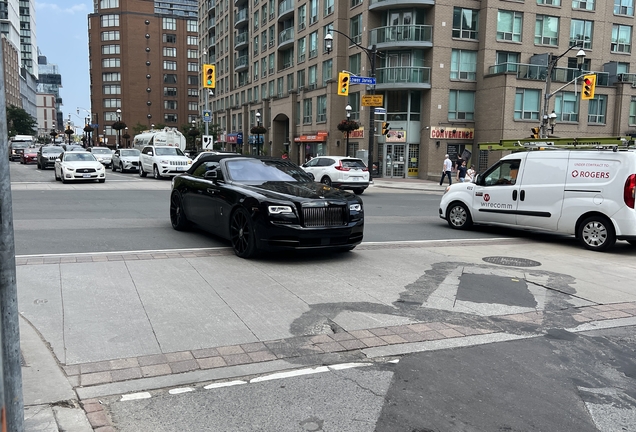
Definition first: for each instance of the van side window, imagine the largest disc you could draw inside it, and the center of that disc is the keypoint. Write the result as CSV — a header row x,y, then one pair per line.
x,y
503,173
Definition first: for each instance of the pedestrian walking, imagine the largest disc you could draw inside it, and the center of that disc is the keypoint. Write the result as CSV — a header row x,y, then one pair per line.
x,y
446,171
461,172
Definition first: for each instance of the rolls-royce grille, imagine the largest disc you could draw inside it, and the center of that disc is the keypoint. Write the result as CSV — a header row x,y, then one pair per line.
x,y
324,216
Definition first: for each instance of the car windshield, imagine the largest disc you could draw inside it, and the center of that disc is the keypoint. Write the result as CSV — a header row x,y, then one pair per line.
x,y
257,171
101,151
169,151
52,149
78,157
131,152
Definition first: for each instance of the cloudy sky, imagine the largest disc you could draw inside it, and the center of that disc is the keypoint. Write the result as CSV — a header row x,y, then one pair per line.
x,y
62,36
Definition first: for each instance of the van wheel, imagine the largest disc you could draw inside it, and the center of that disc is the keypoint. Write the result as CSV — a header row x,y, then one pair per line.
x,y
458,216
597,233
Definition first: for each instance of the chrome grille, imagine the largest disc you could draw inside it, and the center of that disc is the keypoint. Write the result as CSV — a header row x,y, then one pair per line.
x,y
324,216
180,163
85,170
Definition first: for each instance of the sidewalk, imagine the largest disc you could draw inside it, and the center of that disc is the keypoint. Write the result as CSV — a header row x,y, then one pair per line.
x,y
409,184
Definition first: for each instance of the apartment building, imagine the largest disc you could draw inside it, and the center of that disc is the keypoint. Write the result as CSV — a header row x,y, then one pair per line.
x,y
451,74
144,64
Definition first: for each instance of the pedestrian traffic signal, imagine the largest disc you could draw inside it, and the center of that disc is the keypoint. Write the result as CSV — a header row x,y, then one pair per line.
x,y
385,128
209,76
535,132
343,84
589,85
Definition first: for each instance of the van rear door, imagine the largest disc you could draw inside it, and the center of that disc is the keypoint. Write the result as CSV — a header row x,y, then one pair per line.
x,y
542,189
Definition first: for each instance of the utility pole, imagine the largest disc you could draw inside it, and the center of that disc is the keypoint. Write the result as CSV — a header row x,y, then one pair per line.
x,y
12,404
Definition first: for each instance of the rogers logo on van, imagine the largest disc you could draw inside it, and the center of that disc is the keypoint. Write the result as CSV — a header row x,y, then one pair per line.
x,y
591,174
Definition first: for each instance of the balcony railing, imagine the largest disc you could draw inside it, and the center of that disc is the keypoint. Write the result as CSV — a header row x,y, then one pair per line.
x,y
403,74
402,33
539,72
626,77
240,16
241,39
286,36
285,6
240,62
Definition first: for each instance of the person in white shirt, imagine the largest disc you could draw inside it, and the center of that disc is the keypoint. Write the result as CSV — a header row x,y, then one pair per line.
x,y
446,171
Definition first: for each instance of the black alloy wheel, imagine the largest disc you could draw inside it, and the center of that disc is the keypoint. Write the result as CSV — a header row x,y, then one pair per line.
x,y
177,215
326,181
242,234
597,233
458,216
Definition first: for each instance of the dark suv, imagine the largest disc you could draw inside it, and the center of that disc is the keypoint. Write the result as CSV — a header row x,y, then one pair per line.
x,y
47,155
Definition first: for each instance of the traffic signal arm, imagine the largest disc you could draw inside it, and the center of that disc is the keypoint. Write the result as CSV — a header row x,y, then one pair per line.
x,y
589,85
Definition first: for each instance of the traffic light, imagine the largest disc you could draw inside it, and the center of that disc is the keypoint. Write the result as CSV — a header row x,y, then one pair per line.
x,y
209,76
343,84
589,85
535,132
385,128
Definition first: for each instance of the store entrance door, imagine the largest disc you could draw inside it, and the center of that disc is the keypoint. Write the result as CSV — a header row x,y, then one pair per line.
x,y
394,162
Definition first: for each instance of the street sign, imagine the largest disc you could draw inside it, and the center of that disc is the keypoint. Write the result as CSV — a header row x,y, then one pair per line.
x,y
373,100
207,116
361,80
380,110
207,141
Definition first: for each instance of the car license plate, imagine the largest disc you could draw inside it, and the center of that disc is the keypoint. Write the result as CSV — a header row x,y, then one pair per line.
x,y
86,175
179,168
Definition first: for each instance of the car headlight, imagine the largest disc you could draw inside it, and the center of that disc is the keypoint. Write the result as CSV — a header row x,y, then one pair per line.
x,y
69,169
101,168
355,207
164,162
279,209
446,190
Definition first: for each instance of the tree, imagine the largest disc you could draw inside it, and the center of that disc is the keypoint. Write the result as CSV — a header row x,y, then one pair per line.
x,y
139,128
20,122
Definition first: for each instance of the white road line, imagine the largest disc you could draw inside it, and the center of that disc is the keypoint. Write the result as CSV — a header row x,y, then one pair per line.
x,y
289,374
224,384
135,396
343,366
180,390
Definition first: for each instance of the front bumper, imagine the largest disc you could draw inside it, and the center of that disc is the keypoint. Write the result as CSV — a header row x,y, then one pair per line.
x,y
272,236
29,159
130,165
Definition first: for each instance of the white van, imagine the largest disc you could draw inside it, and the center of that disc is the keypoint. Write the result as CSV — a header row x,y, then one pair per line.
x,y
588,193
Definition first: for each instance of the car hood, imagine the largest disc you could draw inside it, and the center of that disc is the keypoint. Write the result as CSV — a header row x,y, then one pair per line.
x,y
129,158
287,190
82,164
102,156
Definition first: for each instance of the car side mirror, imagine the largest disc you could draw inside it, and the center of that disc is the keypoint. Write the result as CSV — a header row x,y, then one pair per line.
x,y
149,153
211,175
58,160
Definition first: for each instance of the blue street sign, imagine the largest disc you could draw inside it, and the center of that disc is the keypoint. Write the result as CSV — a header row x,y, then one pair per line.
x,y
380,111
361,80
207,116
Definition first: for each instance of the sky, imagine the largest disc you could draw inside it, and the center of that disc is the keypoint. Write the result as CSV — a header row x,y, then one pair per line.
x,y
62,36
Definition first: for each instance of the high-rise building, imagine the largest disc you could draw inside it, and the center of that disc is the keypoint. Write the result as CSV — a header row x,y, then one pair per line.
x,y
49,83
450,74
144,64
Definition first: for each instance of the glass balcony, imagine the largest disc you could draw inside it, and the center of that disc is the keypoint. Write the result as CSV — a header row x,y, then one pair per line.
x,y
240,18
396,35
241,40
240,63
539,72
418,77
285,8
285,37
394,4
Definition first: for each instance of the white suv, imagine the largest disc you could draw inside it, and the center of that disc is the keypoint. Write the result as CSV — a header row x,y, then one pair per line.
x,y
339,171
162,161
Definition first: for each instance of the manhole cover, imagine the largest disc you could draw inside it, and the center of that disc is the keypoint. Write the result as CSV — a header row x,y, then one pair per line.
x,y
511,261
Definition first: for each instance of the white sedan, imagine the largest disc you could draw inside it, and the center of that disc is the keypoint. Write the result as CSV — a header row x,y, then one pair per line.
x,y
79,165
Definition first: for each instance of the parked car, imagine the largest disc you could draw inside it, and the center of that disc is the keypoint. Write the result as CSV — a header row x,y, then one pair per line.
x,y
339,171
264,204
163,161
79,165
47,155
103,155
126,160
29,155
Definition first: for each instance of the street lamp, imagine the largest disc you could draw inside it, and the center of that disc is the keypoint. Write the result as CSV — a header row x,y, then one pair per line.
x,y
53,132
371,55
348,110
258,135
118,127
126,136
545,118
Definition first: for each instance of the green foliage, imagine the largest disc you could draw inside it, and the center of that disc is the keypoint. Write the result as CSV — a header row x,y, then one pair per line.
x,y
139,128
19,122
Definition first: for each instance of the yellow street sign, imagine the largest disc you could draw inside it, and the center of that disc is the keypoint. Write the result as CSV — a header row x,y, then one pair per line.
x,y
373,100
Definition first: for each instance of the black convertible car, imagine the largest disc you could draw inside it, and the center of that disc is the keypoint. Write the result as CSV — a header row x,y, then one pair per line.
x,y
264,204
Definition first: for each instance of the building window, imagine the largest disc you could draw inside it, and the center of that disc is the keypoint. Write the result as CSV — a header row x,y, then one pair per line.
x,y
597,109
112,103
328,10
170,78
583,4
527,104
632,111
290,81
169,23
264,93
111,49
193,80
313,44
328,29
355,28
307,111
271,59
170,104
280,87
461,105
621,38
255,45
549,2
300,79
321,109
112,89
169,91
355,64
108,4
193,26
169,38
313,11
169,65
354,101
465,23
192,92
111,76
509,25
109,20
112,35
313,78
566,107
302,47
546,30
288,58
193,54
192,40
624,7
111,62
581,31
169,52
264,67
170,118
463,65
193,67
302,17
327,71
255,70
110,116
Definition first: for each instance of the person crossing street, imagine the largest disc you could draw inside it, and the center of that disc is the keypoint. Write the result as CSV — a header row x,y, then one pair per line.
x,y
446,171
